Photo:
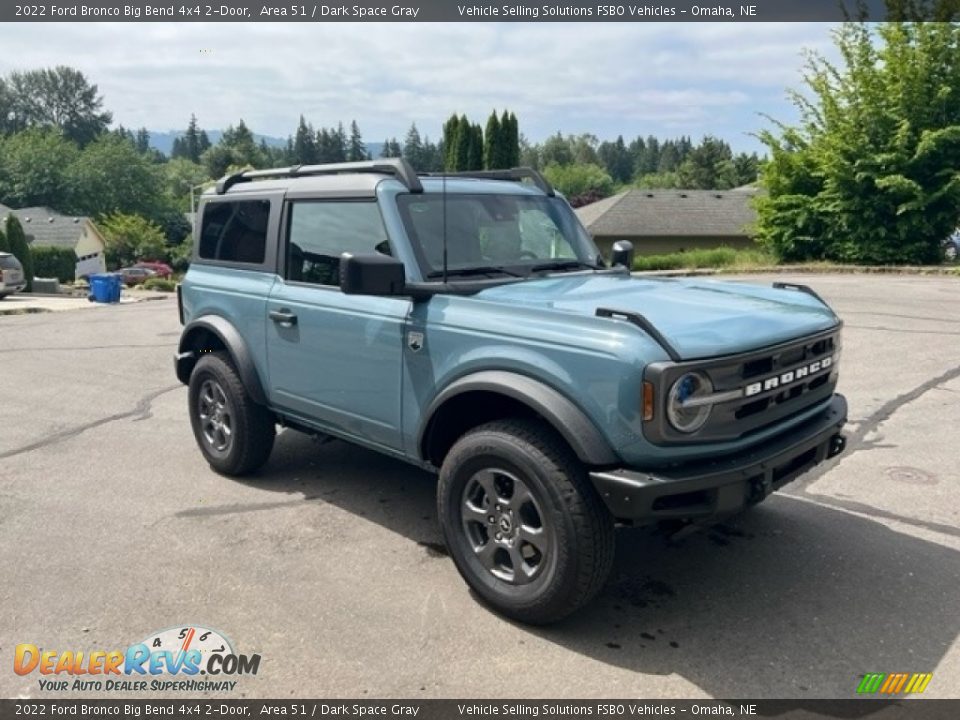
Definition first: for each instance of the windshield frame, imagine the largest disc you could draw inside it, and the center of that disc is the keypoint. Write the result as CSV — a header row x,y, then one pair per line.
x,y
560,212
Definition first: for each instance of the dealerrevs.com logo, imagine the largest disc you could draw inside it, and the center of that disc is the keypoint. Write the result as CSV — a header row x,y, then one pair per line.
x,y
188,658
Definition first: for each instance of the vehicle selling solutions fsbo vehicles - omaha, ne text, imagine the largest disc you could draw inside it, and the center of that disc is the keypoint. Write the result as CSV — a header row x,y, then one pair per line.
x,y
467,324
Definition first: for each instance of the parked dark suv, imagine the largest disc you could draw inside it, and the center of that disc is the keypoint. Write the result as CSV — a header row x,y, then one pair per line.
x,y
467,324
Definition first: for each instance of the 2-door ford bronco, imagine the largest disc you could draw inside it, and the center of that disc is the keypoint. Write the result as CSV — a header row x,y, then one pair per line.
x,y
467,324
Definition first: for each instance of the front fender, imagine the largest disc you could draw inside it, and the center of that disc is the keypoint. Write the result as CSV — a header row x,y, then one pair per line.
x,y
558,410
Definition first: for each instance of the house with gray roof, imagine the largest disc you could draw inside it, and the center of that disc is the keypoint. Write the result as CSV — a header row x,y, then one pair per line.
x,y
666,221
45,226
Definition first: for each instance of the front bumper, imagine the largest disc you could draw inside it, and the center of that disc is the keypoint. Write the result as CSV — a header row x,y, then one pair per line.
x,y
727,484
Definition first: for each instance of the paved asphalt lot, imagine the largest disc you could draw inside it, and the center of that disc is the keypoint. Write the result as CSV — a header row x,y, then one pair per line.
x,y
329,565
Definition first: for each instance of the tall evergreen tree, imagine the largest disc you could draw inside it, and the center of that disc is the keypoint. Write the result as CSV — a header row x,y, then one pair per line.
x,y
413,149
356,150
142,141
339,143
192,144
510,139
304,150
493,145
391,149
616,159
432,156
451,138
19,248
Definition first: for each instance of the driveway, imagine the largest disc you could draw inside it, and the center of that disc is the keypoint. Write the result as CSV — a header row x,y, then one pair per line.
x,y
329,563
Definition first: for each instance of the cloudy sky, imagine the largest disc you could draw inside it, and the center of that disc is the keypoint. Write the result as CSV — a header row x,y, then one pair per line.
x,y
631,78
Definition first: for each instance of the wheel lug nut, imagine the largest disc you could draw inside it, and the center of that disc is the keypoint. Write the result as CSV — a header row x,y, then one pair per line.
x,y
491,519
499,536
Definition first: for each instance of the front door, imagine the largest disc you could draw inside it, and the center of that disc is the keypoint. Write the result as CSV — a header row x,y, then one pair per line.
x,y
335,360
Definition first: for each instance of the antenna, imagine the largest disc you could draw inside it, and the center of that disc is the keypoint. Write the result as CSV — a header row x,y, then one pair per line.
x,y
443,202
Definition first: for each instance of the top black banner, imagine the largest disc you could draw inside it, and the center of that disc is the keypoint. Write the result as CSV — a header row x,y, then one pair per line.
x,y
478,11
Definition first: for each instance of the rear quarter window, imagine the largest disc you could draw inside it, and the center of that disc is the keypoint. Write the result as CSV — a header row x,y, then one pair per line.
x,y
9,262
234,231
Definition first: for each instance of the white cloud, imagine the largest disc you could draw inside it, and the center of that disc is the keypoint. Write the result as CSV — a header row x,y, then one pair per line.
x,y
632,78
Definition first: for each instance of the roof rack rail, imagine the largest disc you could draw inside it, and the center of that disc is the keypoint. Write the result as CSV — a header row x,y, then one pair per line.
x,y
397,167
516,174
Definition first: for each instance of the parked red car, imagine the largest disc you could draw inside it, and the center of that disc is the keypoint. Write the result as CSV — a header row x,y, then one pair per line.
x,y
131,276
161,269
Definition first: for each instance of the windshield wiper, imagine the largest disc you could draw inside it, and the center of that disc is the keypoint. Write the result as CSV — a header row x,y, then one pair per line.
x,y
563,265
478,270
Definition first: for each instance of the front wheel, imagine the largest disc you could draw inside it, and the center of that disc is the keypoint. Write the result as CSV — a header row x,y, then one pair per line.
x,y
235,434
524,526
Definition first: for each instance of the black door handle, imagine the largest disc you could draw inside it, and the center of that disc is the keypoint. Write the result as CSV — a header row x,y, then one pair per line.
x,y
283,317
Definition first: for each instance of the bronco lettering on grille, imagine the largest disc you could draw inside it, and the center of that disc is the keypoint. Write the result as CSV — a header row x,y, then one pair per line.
x,y
787,378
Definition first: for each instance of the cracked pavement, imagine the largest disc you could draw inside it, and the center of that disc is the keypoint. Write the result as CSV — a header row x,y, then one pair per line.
x,y
330,565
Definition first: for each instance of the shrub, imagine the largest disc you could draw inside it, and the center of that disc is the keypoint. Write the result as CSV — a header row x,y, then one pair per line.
x,y
19,248
161,284
179,255
580,180
721,257
54,262
131,238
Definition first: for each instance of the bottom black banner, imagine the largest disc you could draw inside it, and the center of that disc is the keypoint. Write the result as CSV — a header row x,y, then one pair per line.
x,y
474,709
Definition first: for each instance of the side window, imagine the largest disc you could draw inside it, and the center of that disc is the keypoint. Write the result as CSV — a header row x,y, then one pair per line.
x,y
321,231
235,231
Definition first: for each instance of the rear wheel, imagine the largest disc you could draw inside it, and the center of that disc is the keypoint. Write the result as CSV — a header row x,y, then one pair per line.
x,y
524,526
234,433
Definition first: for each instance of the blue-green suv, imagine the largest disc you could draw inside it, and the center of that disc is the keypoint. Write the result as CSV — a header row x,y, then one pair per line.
x,y
467,324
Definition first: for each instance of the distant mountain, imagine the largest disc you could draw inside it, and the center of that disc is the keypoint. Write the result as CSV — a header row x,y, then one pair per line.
x,y
163,141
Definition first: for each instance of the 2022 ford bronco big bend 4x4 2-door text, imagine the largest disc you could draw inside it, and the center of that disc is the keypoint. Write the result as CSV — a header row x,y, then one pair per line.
x,y
467,324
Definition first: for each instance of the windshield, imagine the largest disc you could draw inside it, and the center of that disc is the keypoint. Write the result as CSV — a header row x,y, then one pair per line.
x,y
515,234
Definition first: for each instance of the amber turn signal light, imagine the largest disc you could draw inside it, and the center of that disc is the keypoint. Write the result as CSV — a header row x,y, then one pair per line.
x,y
647,400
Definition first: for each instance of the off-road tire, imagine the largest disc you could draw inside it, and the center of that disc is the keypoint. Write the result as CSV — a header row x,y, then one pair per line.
x,y
579,526
252,426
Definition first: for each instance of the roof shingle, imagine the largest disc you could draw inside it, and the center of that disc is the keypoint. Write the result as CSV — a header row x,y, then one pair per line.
x,y
666,213
45,226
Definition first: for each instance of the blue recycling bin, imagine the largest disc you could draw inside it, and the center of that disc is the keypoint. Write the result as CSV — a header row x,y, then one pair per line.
x,y
116,285
105,287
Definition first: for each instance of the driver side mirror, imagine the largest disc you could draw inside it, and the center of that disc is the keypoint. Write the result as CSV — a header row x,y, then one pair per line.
x,y
622,254
371,274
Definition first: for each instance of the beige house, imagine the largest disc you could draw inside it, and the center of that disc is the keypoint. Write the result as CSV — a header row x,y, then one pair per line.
x,y
667,221
44,226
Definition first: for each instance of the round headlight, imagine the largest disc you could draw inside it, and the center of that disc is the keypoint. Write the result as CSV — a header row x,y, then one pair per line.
x,y
689,386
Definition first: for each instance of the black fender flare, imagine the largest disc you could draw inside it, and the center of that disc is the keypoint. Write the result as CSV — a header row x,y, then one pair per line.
x,y
235,345
558,410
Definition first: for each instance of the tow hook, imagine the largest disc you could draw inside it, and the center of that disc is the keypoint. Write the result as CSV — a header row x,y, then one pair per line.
x,y
837,444
760,487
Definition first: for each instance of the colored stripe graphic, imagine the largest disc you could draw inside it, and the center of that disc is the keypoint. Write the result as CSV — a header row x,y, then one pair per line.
x,y
871,682
894,683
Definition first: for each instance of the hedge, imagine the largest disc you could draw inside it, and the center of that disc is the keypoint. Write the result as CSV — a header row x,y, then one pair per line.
x,y
50,261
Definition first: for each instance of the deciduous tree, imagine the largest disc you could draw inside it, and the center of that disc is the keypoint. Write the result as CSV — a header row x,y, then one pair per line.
x,y
870,173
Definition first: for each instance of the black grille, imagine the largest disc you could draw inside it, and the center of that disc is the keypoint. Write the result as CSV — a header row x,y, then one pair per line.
x,y
740,416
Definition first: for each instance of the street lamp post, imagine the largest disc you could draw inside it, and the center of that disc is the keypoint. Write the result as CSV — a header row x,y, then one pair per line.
x,y
193,201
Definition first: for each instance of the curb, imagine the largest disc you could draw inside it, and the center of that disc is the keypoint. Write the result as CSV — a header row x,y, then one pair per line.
x,y
25,311
937,270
